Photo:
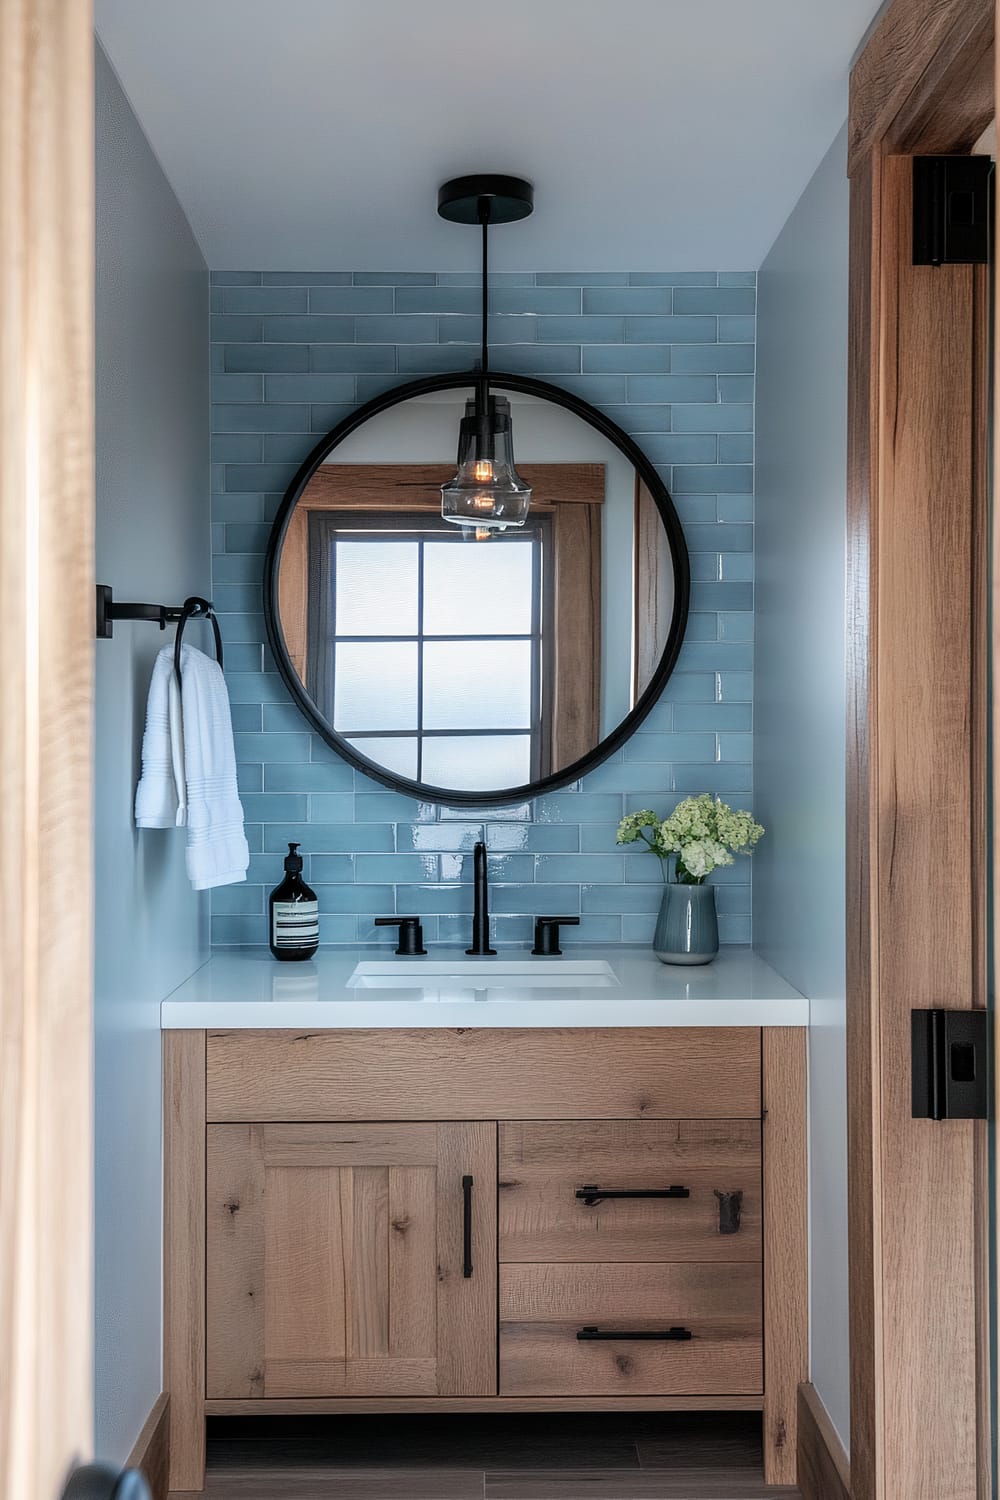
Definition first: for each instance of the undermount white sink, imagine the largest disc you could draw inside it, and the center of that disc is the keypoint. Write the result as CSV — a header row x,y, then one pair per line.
x,y
437,976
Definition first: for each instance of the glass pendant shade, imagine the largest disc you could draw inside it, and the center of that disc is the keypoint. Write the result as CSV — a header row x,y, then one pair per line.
x,y
487,492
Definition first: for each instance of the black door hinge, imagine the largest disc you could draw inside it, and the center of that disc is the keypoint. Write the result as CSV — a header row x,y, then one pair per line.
x,y
951,1064
952,198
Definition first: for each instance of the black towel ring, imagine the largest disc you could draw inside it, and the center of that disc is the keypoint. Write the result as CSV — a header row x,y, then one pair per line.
x,y
196,608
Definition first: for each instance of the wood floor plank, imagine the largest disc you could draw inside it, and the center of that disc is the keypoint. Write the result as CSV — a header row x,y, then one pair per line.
x,y
646,1484
344,1484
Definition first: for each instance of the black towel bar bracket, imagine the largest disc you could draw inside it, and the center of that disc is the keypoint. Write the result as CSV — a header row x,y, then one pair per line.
x,y
193,608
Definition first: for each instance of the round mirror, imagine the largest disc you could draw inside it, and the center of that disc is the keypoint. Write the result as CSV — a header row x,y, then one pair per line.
x,y
475,665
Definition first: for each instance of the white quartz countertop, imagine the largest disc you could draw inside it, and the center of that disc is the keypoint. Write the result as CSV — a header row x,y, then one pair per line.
x,y
250,989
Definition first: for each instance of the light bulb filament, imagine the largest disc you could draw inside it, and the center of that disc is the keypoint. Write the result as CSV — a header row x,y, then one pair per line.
x,y
483,471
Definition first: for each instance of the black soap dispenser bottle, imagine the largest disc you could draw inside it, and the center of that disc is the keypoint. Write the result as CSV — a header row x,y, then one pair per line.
x,y
293,913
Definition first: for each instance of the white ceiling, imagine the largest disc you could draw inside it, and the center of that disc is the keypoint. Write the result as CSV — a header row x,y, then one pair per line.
x,y
313,134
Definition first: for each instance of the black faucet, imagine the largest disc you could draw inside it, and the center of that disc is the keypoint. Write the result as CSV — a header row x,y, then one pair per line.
x,y
481,912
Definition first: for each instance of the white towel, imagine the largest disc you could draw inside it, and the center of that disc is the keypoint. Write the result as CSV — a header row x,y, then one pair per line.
x,y
202,735
161,797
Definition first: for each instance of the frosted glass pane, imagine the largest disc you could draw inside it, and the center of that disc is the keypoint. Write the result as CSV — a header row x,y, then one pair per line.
x,y
376,588
398,755
481,588
477,685
375,686
477,763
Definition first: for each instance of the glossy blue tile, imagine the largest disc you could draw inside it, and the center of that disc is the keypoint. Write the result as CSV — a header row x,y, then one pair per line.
x,y
462,330
377,899
542,359
673,331
581,278
670,747
736,448
306,389
438,299
672,388
257,477
260,418
237,388
599,390
271,747
238,900
736,687
536,900
695,510
265,299
350,838
439,838
587,869
580,330
711,478
719,538
577,807
628,299
242,931
392,807
721,359
315,776
736,747
737,278
309,330
325,418
693,780
720,656
619,899
257,687
394,278
357,359
531,838
681,448
736,627
265,358
235,278
731,717
728,596
736,508
736,388
287,447
690,687
672,278
350,299
514,811
236,447
275,807
738,330
510,868
636,420
550,299
474,278
396,868
448,899
626,359
716,418
693,299
237,599
226,329
244,656
306,278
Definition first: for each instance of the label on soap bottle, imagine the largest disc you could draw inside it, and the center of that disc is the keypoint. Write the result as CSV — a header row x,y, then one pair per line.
x,y
295,924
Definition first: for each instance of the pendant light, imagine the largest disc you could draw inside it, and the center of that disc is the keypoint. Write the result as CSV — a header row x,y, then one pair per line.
x,y
487,493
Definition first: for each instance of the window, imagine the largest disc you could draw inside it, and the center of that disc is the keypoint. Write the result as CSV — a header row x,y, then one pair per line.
x,y
430,653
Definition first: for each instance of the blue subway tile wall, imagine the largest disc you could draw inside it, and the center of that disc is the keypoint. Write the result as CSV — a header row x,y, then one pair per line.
x,y
670,357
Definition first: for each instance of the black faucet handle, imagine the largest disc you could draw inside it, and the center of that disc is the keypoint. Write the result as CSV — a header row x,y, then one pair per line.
x,y
547,935
411,935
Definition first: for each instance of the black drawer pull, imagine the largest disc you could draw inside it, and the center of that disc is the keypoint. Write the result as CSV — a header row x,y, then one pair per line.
x,y
466,1227
663,1335
591,1193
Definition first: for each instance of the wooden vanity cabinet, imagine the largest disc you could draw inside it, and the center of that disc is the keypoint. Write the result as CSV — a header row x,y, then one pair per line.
x,y
354,1260
476,1220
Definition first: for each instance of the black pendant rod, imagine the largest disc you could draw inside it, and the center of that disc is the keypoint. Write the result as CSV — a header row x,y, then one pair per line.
x,y
484,219
484,444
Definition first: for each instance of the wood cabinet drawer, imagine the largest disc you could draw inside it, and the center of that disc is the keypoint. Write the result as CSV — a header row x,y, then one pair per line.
x,y
543,1308
482,1074
545,1167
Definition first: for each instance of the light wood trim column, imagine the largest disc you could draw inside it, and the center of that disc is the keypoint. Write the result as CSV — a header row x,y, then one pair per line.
x,y
824,1470
46,693
184,1254
786,1245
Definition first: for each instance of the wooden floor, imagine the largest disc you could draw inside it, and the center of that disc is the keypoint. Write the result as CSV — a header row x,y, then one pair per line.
x,y
641,1456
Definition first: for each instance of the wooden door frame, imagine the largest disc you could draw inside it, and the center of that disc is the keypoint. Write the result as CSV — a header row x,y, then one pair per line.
x,y
924,84
47,631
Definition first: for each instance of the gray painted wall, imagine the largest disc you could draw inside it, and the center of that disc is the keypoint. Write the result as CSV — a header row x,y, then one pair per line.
x,y
152,544
799,733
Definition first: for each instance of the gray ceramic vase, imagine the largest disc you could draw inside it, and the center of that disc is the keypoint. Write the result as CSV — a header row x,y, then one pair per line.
x,y
687,929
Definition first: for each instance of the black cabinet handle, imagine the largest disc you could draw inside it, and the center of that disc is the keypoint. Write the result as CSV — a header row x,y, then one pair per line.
x,y
662,1335
466,1227
591,1193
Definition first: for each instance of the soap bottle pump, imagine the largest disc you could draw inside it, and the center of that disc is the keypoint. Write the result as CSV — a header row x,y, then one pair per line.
x,y
293,913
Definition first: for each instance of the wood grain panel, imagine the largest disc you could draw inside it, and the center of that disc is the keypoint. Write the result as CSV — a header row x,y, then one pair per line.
x,y
151,1451
654,588
46,772
467,1308
565,1073
336,486
824,1472
576,698
184,1253
543,1165
542,1308
332,1276
234,1269
786,1244
914,48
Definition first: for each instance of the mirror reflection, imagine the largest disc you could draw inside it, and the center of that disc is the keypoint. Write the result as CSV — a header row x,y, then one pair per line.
x,y
473,661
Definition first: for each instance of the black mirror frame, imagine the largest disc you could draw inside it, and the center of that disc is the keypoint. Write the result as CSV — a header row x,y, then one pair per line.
x,y
525,385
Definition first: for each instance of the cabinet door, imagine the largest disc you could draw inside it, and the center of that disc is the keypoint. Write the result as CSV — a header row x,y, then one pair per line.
x,y
337,1260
